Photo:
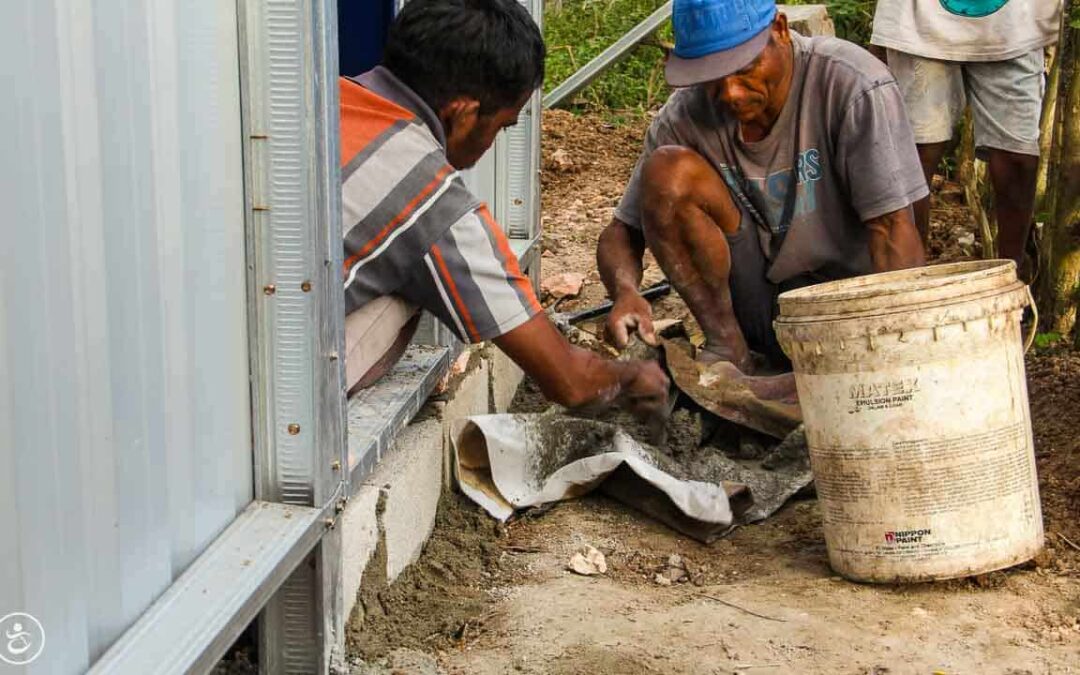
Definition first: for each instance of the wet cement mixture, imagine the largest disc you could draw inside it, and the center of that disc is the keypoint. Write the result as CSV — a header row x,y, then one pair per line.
x,y
434,602
487,598
695,445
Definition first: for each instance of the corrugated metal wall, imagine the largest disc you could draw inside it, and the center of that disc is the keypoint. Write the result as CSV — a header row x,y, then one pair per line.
x,y
507,177
125,432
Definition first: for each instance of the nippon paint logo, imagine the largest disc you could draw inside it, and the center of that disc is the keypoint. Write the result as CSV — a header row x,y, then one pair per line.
x,y
906,536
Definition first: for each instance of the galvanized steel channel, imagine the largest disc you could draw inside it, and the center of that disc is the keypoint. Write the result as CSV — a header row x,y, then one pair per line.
x,y
291,121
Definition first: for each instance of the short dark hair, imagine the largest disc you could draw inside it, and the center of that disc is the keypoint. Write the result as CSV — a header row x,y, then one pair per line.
x,y
490,50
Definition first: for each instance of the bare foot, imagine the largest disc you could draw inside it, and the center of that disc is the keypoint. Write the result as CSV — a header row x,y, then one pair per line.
x,y
780,388
708,355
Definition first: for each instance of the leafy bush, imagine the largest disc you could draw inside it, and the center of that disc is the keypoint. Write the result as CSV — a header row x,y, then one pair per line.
x,y
578,30
1047,340
854,19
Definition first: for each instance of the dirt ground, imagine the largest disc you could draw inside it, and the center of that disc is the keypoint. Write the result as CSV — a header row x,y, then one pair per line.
x,y
489,598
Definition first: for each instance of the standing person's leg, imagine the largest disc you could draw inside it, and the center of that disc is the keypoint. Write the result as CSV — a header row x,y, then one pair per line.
x,y
1013,176
1006,103
930,155
933,94
689,221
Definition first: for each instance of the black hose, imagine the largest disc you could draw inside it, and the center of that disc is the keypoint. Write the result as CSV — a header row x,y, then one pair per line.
x,y
657,290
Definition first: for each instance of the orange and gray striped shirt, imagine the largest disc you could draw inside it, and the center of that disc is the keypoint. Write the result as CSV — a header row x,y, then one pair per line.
x,y
411,227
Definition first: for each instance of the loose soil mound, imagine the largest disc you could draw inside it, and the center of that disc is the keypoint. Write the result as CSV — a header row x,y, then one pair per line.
x,y
1054,382
441,598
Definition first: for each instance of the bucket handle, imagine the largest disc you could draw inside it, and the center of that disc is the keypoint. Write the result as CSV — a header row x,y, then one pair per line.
x,y
1030,339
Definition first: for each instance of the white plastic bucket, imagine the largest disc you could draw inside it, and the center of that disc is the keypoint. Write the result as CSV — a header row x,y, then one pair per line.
x,y
915,404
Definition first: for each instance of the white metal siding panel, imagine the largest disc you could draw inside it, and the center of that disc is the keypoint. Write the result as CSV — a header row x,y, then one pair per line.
x,y
481,179
506,178
125,435
520,148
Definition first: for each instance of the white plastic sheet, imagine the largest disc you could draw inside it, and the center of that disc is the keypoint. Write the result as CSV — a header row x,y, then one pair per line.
x,y
510,462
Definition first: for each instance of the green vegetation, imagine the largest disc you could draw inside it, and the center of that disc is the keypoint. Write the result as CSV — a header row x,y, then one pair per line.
x,y
578,30
854,19
1045,341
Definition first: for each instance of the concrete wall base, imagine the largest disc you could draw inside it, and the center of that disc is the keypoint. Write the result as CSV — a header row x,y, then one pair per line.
x,y
395,506
506,377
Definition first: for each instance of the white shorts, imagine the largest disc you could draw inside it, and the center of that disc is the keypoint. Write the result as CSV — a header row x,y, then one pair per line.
x,y
1005,97
371,331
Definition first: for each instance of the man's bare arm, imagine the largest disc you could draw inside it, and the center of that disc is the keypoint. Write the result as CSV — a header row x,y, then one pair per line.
x,y
619,251
618,258
578,378
894,241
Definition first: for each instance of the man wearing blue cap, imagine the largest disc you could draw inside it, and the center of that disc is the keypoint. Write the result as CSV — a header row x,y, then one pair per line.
x,y
780,161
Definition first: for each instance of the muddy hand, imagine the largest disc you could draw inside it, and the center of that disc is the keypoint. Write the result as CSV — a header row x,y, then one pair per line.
x,y
644,391
631,312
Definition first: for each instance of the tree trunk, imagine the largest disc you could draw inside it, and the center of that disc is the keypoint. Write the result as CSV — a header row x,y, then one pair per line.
x,y
1048,153
975,178
1061,283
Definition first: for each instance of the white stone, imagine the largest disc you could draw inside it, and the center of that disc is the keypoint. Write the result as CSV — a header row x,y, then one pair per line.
x,y
587,562
809,20
560,160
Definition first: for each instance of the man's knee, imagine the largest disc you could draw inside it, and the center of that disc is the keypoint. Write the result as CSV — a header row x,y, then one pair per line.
x,y
1015,161
676,179
670,174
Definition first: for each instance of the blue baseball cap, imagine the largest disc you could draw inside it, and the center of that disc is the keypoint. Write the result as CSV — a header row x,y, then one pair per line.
x,y
715,38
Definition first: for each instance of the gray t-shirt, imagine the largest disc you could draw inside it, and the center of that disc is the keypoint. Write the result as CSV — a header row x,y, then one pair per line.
x,y
857,158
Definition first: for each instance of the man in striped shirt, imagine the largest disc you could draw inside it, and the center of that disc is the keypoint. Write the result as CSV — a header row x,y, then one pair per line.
x,y
455,73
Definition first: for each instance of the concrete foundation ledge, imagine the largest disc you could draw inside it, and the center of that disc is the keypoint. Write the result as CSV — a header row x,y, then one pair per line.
x,y
391,514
